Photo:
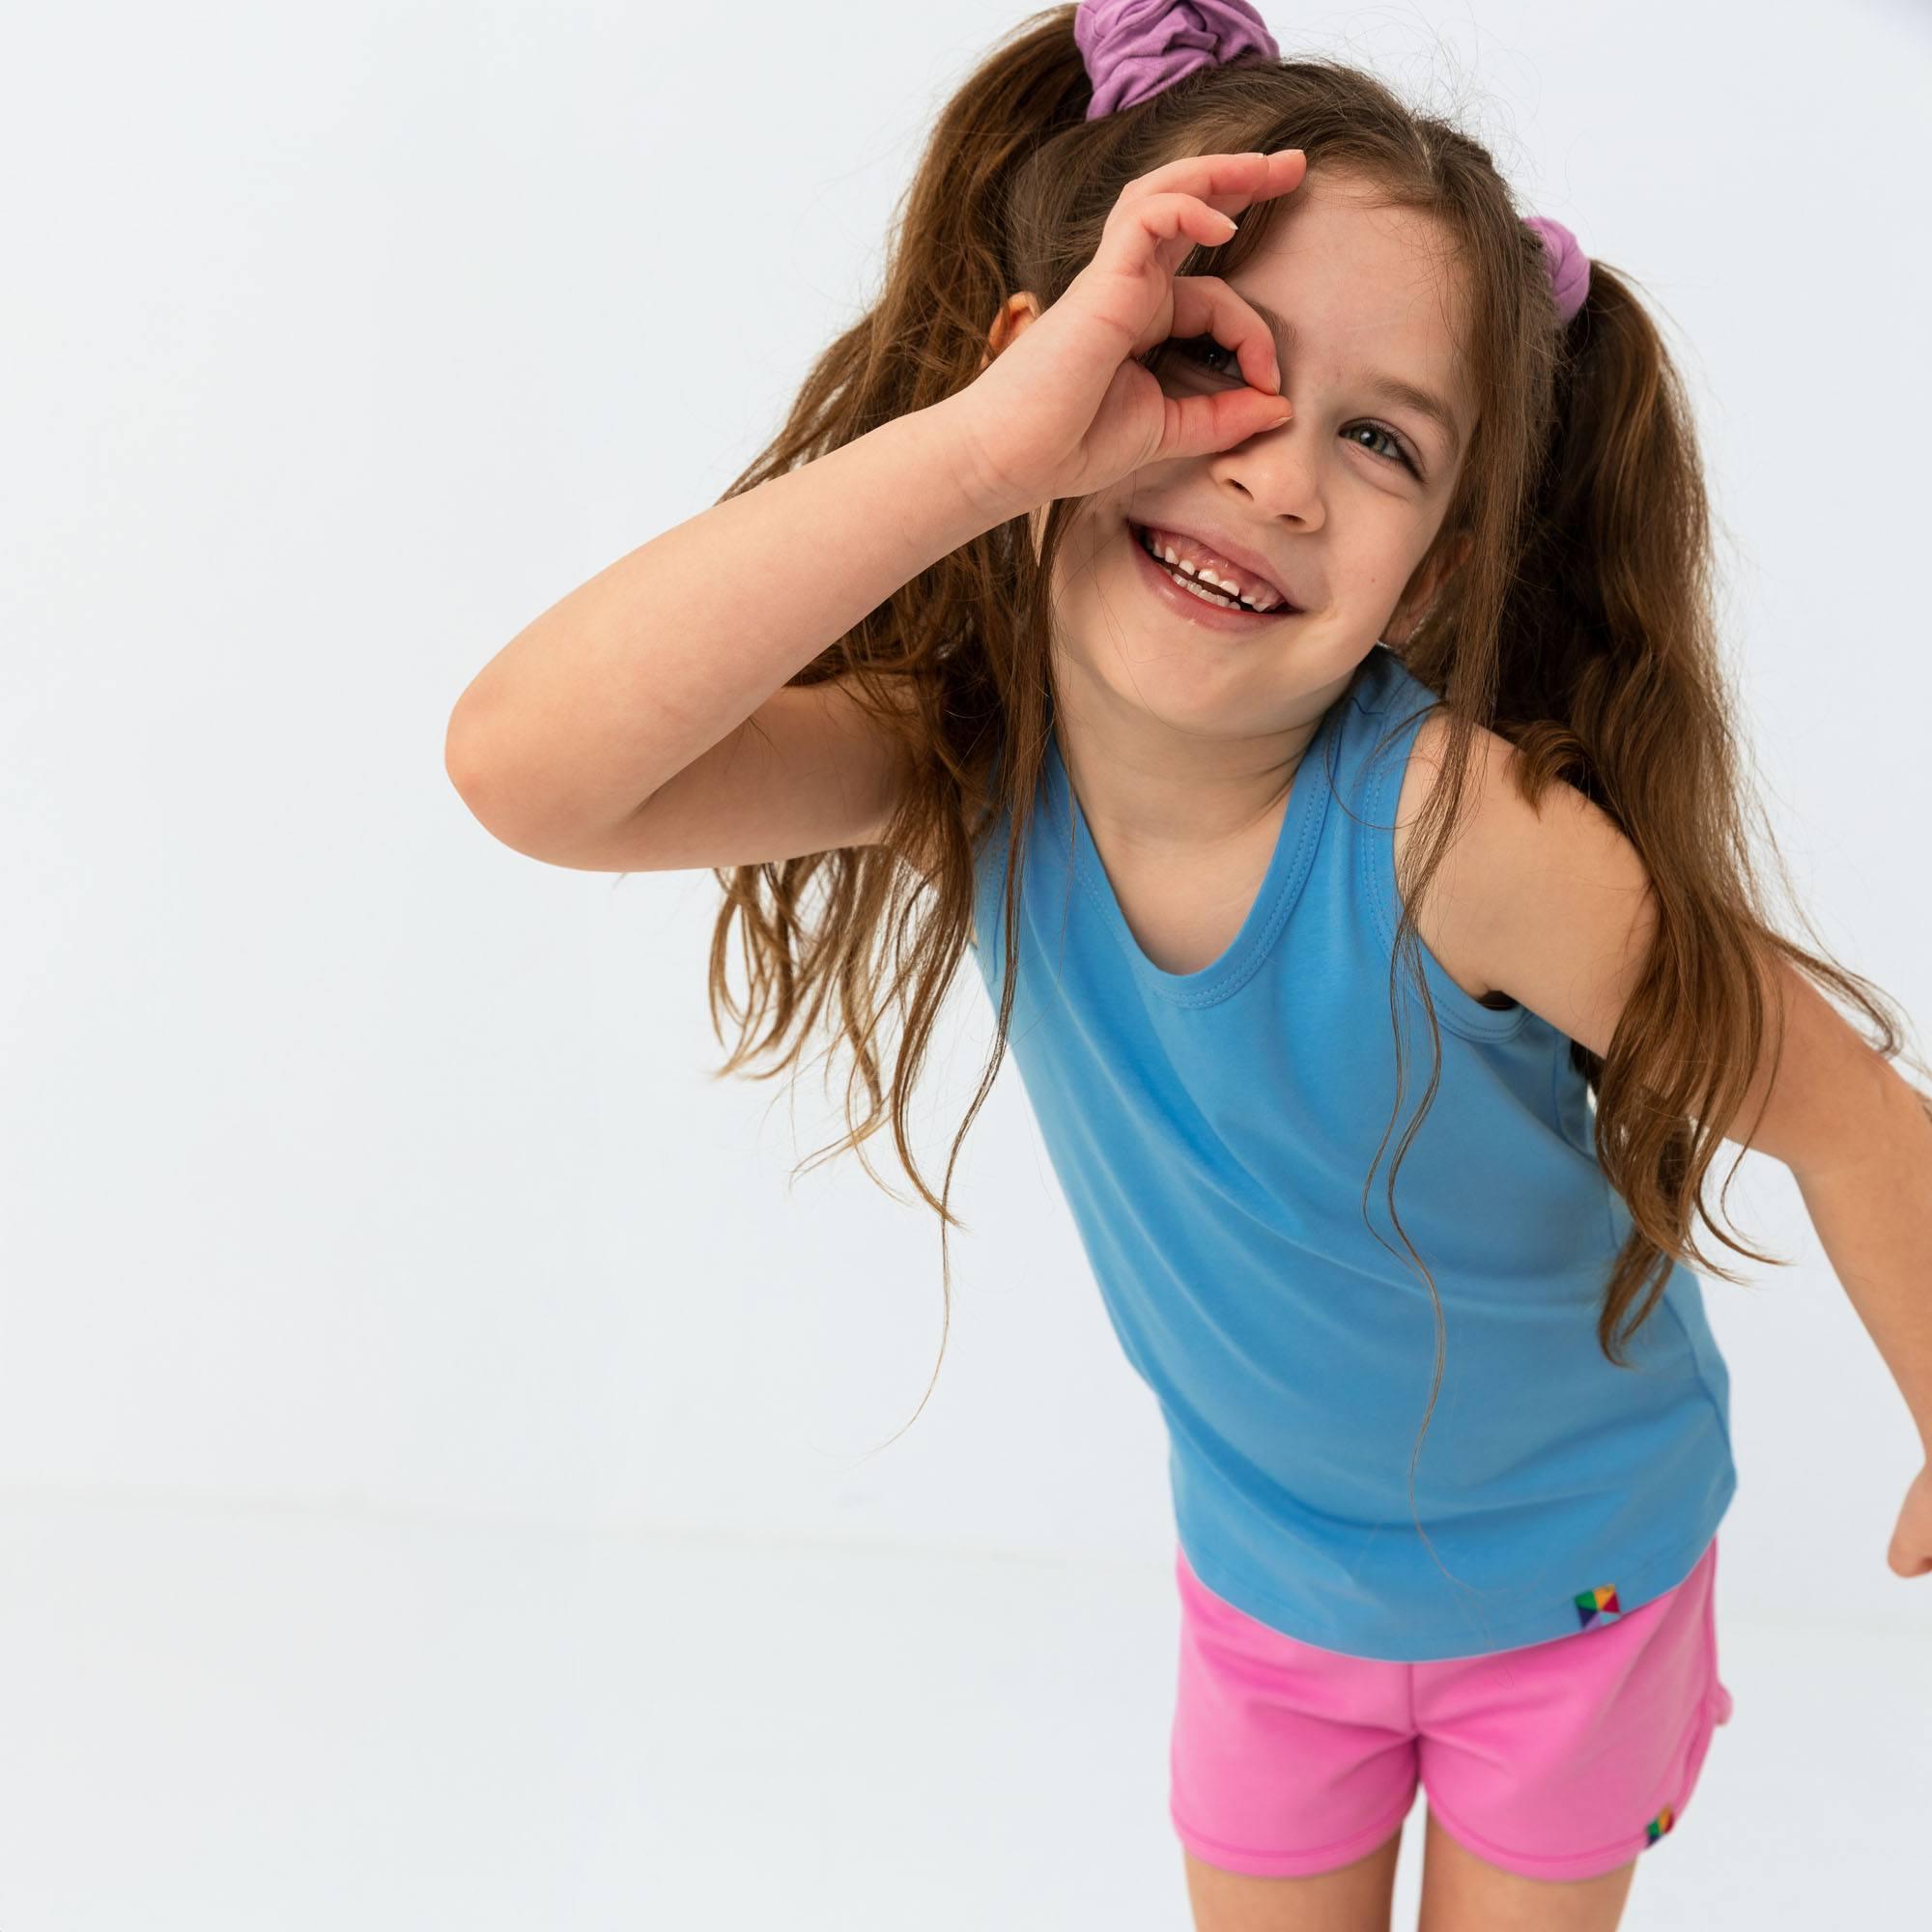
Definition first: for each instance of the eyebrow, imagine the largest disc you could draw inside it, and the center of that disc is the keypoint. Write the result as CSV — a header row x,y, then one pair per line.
x,y
1380,382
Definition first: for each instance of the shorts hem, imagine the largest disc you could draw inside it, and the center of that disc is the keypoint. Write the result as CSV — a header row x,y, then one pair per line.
x,y
1639,1585
1291,1865
1605,1859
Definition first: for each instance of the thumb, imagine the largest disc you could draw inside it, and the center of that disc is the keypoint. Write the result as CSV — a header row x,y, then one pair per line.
x,y
1204,425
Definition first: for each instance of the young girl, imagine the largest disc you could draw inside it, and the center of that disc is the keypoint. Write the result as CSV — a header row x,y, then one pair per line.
x,y
1261,640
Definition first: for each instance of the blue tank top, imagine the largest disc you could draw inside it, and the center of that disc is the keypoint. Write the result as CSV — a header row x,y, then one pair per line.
x,y
1212,1131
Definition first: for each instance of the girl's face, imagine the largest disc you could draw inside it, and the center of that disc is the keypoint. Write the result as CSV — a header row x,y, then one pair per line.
x,y
1340,501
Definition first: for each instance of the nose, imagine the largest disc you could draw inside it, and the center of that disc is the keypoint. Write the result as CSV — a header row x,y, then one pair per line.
x,y
1276,471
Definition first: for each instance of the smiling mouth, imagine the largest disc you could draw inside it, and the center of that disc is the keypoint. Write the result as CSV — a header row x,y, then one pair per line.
x,y
1211,593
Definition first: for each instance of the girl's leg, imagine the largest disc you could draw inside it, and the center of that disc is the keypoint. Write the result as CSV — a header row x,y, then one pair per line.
x,y
1462,1892
1355,1898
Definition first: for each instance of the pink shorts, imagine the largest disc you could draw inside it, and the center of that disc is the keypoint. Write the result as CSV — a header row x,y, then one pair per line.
x,y
1288,1759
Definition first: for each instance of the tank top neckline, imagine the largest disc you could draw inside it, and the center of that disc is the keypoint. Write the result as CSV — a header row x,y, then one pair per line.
x,y
1288,868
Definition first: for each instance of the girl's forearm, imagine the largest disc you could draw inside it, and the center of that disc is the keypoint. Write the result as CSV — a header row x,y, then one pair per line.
x,y
639,670
1872,1209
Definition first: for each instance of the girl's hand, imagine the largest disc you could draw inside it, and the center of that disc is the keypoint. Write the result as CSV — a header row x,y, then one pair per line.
x,y
1064,410
1911,1552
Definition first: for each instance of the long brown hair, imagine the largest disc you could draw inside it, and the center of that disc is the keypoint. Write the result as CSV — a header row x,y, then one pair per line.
x,y
1578,623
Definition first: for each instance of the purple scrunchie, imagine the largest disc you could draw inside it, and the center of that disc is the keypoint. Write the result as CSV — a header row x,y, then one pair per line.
x,y
1568,265
1134,48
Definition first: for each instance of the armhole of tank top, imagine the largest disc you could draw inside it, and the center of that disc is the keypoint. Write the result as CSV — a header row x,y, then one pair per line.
x,y
1457,1010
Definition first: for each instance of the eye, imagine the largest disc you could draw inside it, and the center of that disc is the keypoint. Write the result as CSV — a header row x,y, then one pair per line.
x,y
1198,349
1402,453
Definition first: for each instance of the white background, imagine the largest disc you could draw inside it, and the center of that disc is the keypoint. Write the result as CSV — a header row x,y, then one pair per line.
x,y
434,1483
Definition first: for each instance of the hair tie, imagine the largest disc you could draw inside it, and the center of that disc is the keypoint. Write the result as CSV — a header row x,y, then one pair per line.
x,y
1134,49
1568,265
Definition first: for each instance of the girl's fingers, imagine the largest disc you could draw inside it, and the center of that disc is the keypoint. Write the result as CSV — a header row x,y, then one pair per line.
x,y
1164,228
1167,225
1205,305
1236,179
1196,425
1221,185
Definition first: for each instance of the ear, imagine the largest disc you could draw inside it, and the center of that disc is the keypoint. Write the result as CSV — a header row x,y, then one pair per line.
x,y
1017,314
1413,604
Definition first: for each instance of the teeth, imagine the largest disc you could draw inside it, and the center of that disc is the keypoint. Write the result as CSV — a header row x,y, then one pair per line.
x,y
1195,590
1183,572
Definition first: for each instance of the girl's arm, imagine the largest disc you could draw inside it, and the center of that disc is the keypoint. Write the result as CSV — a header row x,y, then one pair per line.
x,y
1871,1208
565,733
1554,906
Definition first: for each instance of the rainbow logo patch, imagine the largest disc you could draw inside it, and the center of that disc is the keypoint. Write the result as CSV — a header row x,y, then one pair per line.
x,y
1659,1825
1600,1601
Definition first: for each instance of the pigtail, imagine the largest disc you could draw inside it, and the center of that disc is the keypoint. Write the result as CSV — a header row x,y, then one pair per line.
x,y
953,663
1608,677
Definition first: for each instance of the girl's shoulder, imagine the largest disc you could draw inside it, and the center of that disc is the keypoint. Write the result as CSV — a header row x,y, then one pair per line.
x,y
1449,918
1547,904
